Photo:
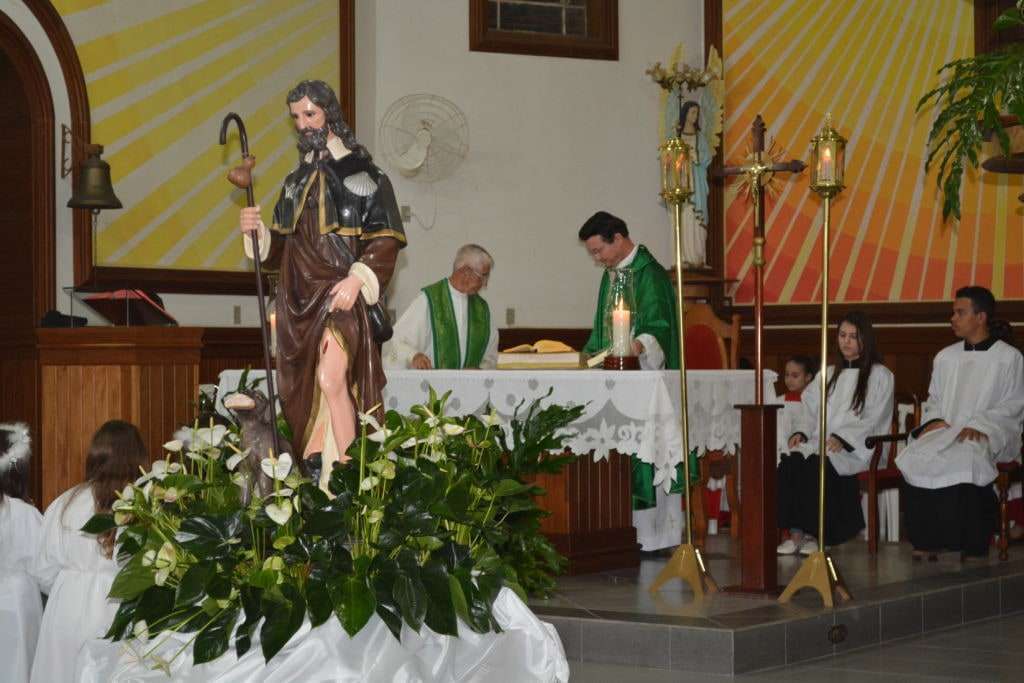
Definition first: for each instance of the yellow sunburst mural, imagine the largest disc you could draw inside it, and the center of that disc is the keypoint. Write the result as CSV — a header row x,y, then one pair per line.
x,y
160,77
868,62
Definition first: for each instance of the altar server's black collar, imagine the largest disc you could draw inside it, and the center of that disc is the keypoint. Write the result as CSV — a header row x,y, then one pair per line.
x,y
980,346
851,364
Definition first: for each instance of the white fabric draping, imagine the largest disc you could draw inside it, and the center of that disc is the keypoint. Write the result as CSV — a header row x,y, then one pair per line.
x,y
526,650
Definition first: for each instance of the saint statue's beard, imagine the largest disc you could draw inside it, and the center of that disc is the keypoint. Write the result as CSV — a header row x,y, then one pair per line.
x,y
312,140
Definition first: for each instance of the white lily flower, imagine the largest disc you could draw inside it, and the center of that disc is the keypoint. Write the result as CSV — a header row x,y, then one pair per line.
x,y
233,461
453,429
277,468
208,437
173,446
280,511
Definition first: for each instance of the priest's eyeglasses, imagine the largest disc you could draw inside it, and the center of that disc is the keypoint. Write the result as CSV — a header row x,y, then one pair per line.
x,y
484,277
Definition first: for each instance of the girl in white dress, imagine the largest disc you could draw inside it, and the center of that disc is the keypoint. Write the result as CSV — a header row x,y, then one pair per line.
x,y
76,569
21,605
859,392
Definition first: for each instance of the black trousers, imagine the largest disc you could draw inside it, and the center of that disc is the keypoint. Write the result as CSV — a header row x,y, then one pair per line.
x,y
798,499
961,517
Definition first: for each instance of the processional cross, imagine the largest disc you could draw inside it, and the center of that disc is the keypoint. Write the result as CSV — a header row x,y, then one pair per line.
x,y
759,171
758,527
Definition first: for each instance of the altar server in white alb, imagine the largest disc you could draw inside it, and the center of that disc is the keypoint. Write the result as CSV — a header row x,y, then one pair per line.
x,y
859,404
971,421
76,569
21,607
448,325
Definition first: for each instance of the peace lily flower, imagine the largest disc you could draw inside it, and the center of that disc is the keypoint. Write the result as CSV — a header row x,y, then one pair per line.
x,y
208,437
233,461
173,446
453,429
380,433
164,560
277,468
280,511
160,470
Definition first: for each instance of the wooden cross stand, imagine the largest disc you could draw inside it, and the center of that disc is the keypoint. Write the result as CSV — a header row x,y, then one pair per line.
x,y
758,517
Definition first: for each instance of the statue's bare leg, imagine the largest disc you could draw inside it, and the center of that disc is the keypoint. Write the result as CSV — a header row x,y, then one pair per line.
x,y
332,376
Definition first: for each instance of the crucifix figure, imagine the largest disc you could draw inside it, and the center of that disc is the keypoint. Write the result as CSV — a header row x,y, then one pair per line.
x,y
759,171
758,513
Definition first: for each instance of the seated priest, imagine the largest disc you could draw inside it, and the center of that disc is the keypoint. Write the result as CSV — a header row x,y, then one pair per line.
x,y
970,422
656,330
448,325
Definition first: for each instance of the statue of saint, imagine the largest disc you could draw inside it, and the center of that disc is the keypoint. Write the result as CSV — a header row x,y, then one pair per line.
x,y
334,239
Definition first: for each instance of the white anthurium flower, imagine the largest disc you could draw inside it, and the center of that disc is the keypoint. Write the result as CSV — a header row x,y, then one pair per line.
x,y
453,429
432,439
277,468
121,504
194,455
146,490
435,455
171,495
208,437
379,433
432,421
141,630
233,461
240,479
160,469
284,492
174,446
128,492
409,443
368,483
122,518
491,419
375,516
165,561
392,456
213,453
280,511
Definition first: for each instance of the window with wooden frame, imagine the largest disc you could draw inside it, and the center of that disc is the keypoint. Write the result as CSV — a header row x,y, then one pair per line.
x,y
585,29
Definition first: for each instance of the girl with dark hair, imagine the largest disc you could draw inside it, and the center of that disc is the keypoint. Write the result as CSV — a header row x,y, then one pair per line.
x,y
76,569
859,392
22,606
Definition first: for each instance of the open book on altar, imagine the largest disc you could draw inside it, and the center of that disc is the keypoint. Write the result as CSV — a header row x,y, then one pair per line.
x,y
544,354
128,307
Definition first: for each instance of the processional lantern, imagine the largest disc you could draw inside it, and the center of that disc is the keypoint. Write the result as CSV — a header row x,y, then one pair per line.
x,y
828,161
686,562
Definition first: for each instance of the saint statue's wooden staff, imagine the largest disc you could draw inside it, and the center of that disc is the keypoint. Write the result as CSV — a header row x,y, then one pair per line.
x,y
241,176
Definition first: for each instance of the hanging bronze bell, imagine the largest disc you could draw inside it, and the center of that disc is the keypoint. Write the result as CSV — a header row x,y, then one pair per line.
x,y
94,190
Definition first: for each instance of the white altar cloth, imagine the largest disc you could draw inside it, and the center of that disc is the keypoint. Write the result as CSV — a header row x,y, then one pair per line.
x,y
629,412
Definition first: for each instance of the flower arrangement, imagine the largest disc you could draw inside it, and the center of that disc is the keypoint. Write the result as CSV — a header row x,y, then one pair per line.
x,y
423,526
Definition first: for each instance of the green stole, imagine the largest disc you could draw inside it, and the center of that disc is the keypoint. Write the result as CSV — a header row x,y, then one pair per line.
x,y
656,316
447,346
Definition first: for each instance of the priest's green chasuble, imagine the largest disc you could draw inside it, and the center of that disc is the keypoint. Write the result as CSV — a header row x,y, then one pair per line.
x,y
656,316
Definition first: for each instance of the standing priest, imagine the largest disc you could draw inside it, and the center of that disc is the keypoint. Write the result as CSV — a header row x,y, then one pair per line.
x,y
971,421
448,325
657,336
658,517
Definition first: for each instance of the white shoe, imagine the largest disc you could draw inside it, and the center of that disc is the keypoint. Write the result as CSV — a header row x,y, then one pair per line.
x,y
787,547
809,547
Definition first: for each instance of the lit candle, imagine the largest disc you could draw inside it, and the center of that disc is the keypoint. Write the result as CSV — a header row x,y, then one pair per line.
x,y
620,333
825,167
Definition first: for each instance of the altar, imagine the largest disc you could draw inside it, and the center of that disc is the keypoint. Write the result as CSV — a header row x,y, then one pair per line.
x,y
626,413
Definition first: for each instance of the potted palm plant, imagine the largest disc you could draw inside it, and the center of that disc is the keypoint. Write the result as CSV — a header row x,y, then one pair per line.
x,y
979,97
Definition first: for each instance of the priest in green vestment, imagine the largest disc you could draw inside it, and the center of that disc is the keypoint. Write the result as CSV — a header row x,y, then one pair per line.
x,y
448,325
655,332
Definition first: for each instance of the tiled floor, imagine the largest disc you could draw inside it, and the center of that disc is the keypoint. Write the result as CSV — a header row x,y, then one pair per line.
x,y
986,651
611,618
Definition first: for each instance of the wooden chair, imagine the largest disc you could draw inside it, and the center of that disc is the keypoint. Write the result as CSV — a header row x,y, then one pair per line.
x,y
1009,472
711,343
881,476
